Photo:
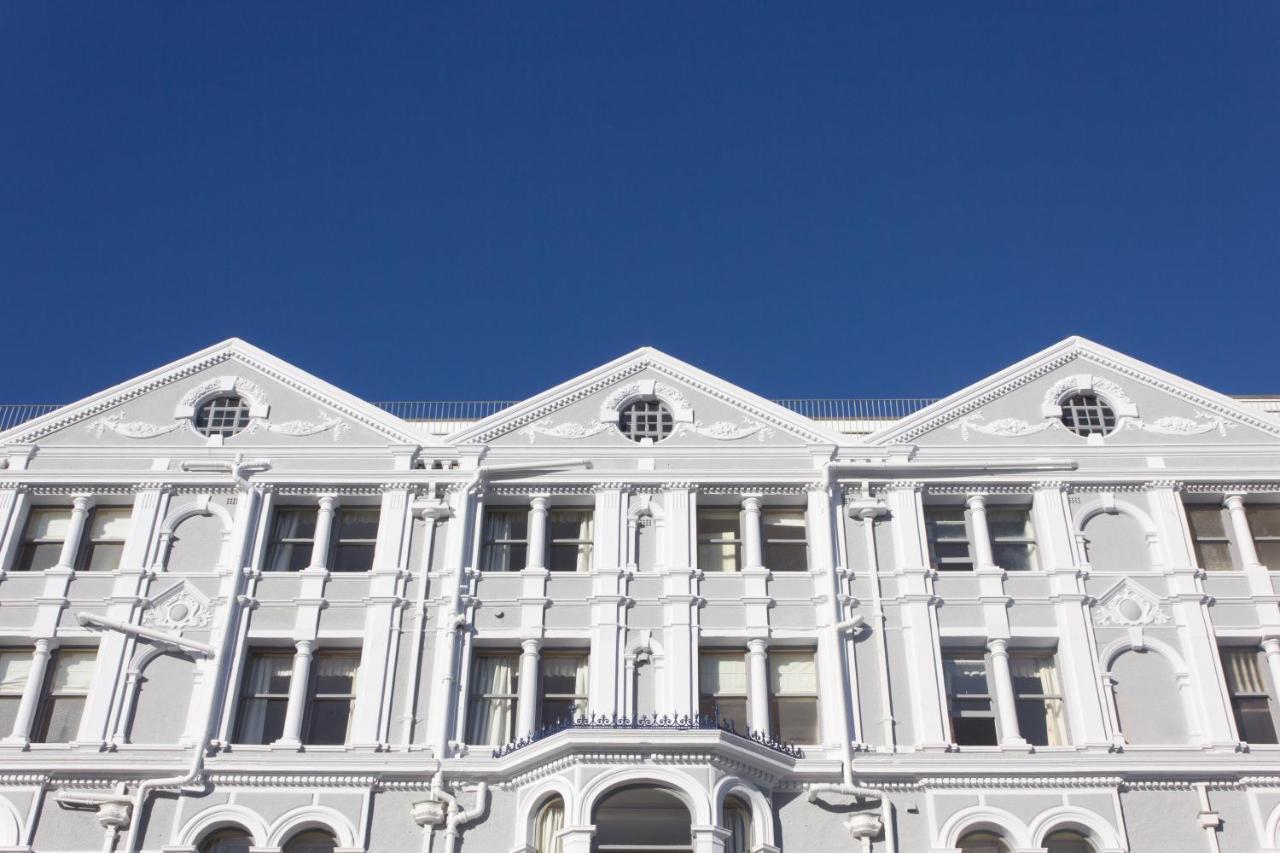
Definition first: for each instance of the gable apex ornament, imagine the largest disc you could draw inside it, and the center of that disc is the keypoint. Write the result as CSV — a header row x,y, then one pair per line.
x,y
1129,605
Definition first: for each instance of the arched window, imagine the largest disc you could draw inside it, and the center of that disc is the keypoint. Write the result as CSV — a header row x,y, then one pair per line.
x,y
1068,841
737,819
311,841
547,825
231,840
983,842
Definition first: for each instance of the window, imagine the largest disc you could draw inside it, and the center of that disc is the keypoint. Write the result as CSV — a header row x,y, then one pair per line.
x,y
71,673
47,529
333,690
973,719
227,841
15,665
355,534
312,841
1250,701
224,416
1041,717
564,687
646,421
491,720
293,534
265,697
1264,525
1068,841
570,531
547,827
948,538
785,546
722,687
737,819
719,540
983,842
104,545
1209,536
1088,414
506,540
793,697
1013,541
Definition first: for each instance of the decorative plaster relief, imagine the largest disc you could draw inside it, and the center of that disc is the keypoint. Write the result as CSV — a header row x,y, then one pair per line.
x,y
729,431
567,429
304,428
129,429
1173,425
178,607
1002,427
1129,605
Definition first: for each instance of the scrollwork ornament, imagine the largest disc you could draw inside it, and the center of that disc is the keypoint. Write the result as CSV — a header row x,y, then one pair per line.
x,y
129,429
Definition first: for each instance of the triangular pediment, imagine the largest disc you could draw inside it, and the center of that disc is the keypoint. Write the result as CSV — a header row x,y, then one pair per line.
x,y
287,406
1021,407
707,411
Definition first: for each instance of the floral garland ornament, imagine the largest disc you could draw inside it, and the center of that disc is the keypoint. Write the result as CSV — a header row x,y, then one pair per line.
x,y
129,429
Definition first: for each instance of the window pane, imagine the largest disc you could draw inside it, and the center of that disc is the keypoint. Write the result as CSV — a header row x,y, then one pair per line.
x,y
335,673
1253,718
102,556
569,524
718,524
353,557
723,673
73,672
570,558
1014,557
974,731
357,524
1206,521
61,719
793,673
1263,520
48,524
560,710
794,719
965,676
732,710
718,557
783,524
786,556
503,558
506,524
1010,523
36,557
110,523
1269,554
564,675
262,721
1214,556
289,557
329,719
14,667
1033,721
295,524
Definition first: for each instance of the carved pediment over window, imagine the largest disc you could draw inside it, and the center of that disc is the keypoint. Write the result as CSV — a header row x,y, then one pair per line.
x,y
178,607
1129,605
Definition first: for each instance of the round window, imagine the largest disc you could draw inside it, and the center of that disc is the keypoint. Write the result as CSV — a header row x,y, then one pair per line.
x,y
646,420
1088,414
224,416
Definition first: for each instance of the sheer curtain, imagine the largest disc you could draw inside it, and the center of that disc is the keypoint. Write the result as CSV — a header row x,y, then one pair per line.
x,y
493,709
265,673
1243,674
550,822
1040,675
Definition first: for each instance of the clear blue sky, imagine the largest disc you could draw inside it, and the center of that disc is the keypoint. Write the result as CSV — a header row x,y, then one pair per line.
x,y
478,200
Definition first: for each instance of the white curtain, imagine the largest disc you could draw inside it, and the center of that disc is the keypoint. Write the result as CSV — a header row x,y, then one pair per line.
x,y
1243,674
1043,672
14,667
792,674
557,667
550,822
263,670
723,675
492,714
49,524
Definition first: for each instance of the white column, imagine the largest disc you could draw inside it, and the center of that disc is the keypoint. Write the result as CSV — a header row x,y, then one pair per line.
x,y
80,507
26,714
299,679
608,603
758,684
324,532
537,554
1271,646
680,589
576,839
527,700
709,839
983,557
1243,536
752,549
1006,704
13,508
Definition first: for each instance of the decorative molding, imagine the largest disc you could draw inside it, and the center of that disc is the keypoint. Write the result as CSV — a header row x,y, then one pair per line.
x,y
1129,605
1001,427
729,431
130,429
181,606
251,391
301,429
1174,425
565,429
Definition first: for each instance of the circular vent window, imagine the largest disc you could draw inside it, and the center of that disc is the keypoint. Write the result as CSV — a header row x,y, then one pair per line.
x,y
224,416
1088,414
646,420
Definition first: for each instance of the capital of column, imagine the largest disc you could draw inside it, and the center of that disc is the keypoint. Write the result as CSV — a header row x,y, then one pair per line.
x,y
43,646
539,503
998,646
305,648
530,647
758,646
751,503
328,503
1271,645
976,501
1233,502
82,503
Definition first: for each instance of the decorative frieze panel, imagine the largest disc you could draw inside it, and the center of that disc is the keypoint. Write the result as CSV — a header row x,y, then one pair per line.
x,y
1129,605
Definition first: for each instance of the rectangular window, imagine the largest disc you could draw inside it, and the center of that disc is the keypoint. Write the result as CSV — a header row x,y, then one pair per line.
x,y
948,538
46,530
70,676
570,532
1264,525
785,547
293,533
1041,716
1209,536
722,687
491,719
355,533
564,688
973,719
793,697
15,666
104,545
264,698
1250,700
1013,540
506,540
333,690
719,540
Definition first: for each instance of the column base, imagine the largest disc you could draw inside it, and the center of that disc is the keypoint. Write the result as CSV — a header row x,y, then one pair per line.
x,y
287,743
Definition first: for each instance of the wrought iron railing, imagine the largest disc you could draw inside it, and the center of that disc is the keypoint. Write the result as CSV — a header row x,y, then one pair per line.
x,y
673,722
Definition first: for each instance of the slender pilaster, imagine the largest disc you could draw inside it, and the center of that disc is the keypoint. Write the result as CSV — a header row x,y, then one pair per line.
x,y
758,684
537,550
752,548
299,679
527,701
608,603
680,599
983,556
26,715
1242,534
328,508
80,507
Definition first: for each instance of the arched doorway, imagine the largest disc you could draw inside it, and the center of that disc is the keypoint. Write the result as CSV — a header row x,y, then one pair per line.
x,y
642,818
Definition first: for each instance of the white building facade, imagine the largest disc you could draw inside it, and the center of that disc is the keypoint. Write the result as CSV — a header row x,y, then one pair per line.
x,y
645,610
